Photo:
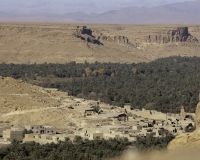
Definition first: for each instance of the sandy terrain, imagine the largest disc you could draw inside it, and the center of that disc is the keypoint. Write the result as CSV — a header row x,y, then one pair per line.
x,y
60,43
22,104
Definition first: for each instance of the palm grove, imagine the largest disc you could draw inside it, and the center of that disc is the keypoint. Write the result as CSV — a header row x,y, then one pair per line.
x,y
83,149
164,84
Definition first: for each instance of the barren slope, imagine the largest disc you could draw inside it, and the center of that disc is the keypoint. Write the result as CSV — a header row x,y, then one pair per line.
x,y
22,104
39,43
17,95
188,140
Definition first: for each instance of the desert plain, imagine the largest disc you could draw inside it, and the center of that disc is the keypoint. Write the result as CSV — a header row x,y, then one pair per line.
x,y
62,42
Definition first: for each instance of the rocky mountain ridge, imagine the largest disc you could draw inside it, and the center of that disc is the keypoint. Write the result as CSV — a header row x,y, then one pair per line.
x,y
176,13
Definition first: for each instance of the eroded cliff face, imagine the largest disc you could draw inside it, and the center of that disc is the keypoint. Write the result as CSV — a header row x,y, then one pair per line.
x,y
118,39
180,34
61,43
188,140
96,37
86,34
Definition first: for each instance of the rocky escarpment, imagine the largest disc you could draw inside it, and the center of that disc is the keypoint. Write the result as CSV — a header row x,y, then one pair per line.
x,y
188,140
118,39
96,37
86,34
180,34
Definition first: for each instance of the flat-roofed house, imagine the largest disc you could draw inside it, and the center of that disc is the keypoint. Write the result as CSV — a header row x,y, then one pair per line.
x,y
2,128
44,138
13,134
38,129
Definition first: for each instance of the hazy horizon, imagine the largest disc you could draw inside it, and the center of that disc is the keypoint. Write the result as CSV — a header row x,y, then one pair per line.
x,y
87,6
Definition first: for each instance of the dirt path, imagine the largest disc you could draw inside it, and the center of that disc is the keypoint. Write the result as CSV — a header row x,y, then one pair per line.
x,y
63,105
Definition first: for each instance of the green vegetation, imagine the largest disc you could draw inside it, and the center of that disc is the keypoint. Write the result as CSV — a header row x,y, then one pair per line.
x,y
150,143
81,149
164,84
27,132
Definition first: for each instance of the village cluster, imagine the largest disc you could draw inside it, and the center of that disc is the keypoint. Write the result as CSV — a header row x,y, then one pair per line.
x,y
100,120
132,123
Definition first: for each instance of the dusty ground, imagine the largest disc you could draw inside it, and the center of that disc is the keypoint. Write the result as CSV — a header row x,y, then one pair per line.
x,y
39,43
22,104
184,154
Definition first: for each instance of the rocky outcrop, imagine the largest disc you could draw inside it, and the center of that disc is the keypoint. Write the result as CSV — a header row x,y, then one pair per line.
x,y
86,34
96,37
180,34
117,39
188,140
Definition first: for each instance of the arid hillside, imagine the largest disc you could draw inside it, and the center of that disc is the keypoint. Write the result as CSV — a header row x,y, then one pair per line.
x,y
61,43
22,103
17,95
188,140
